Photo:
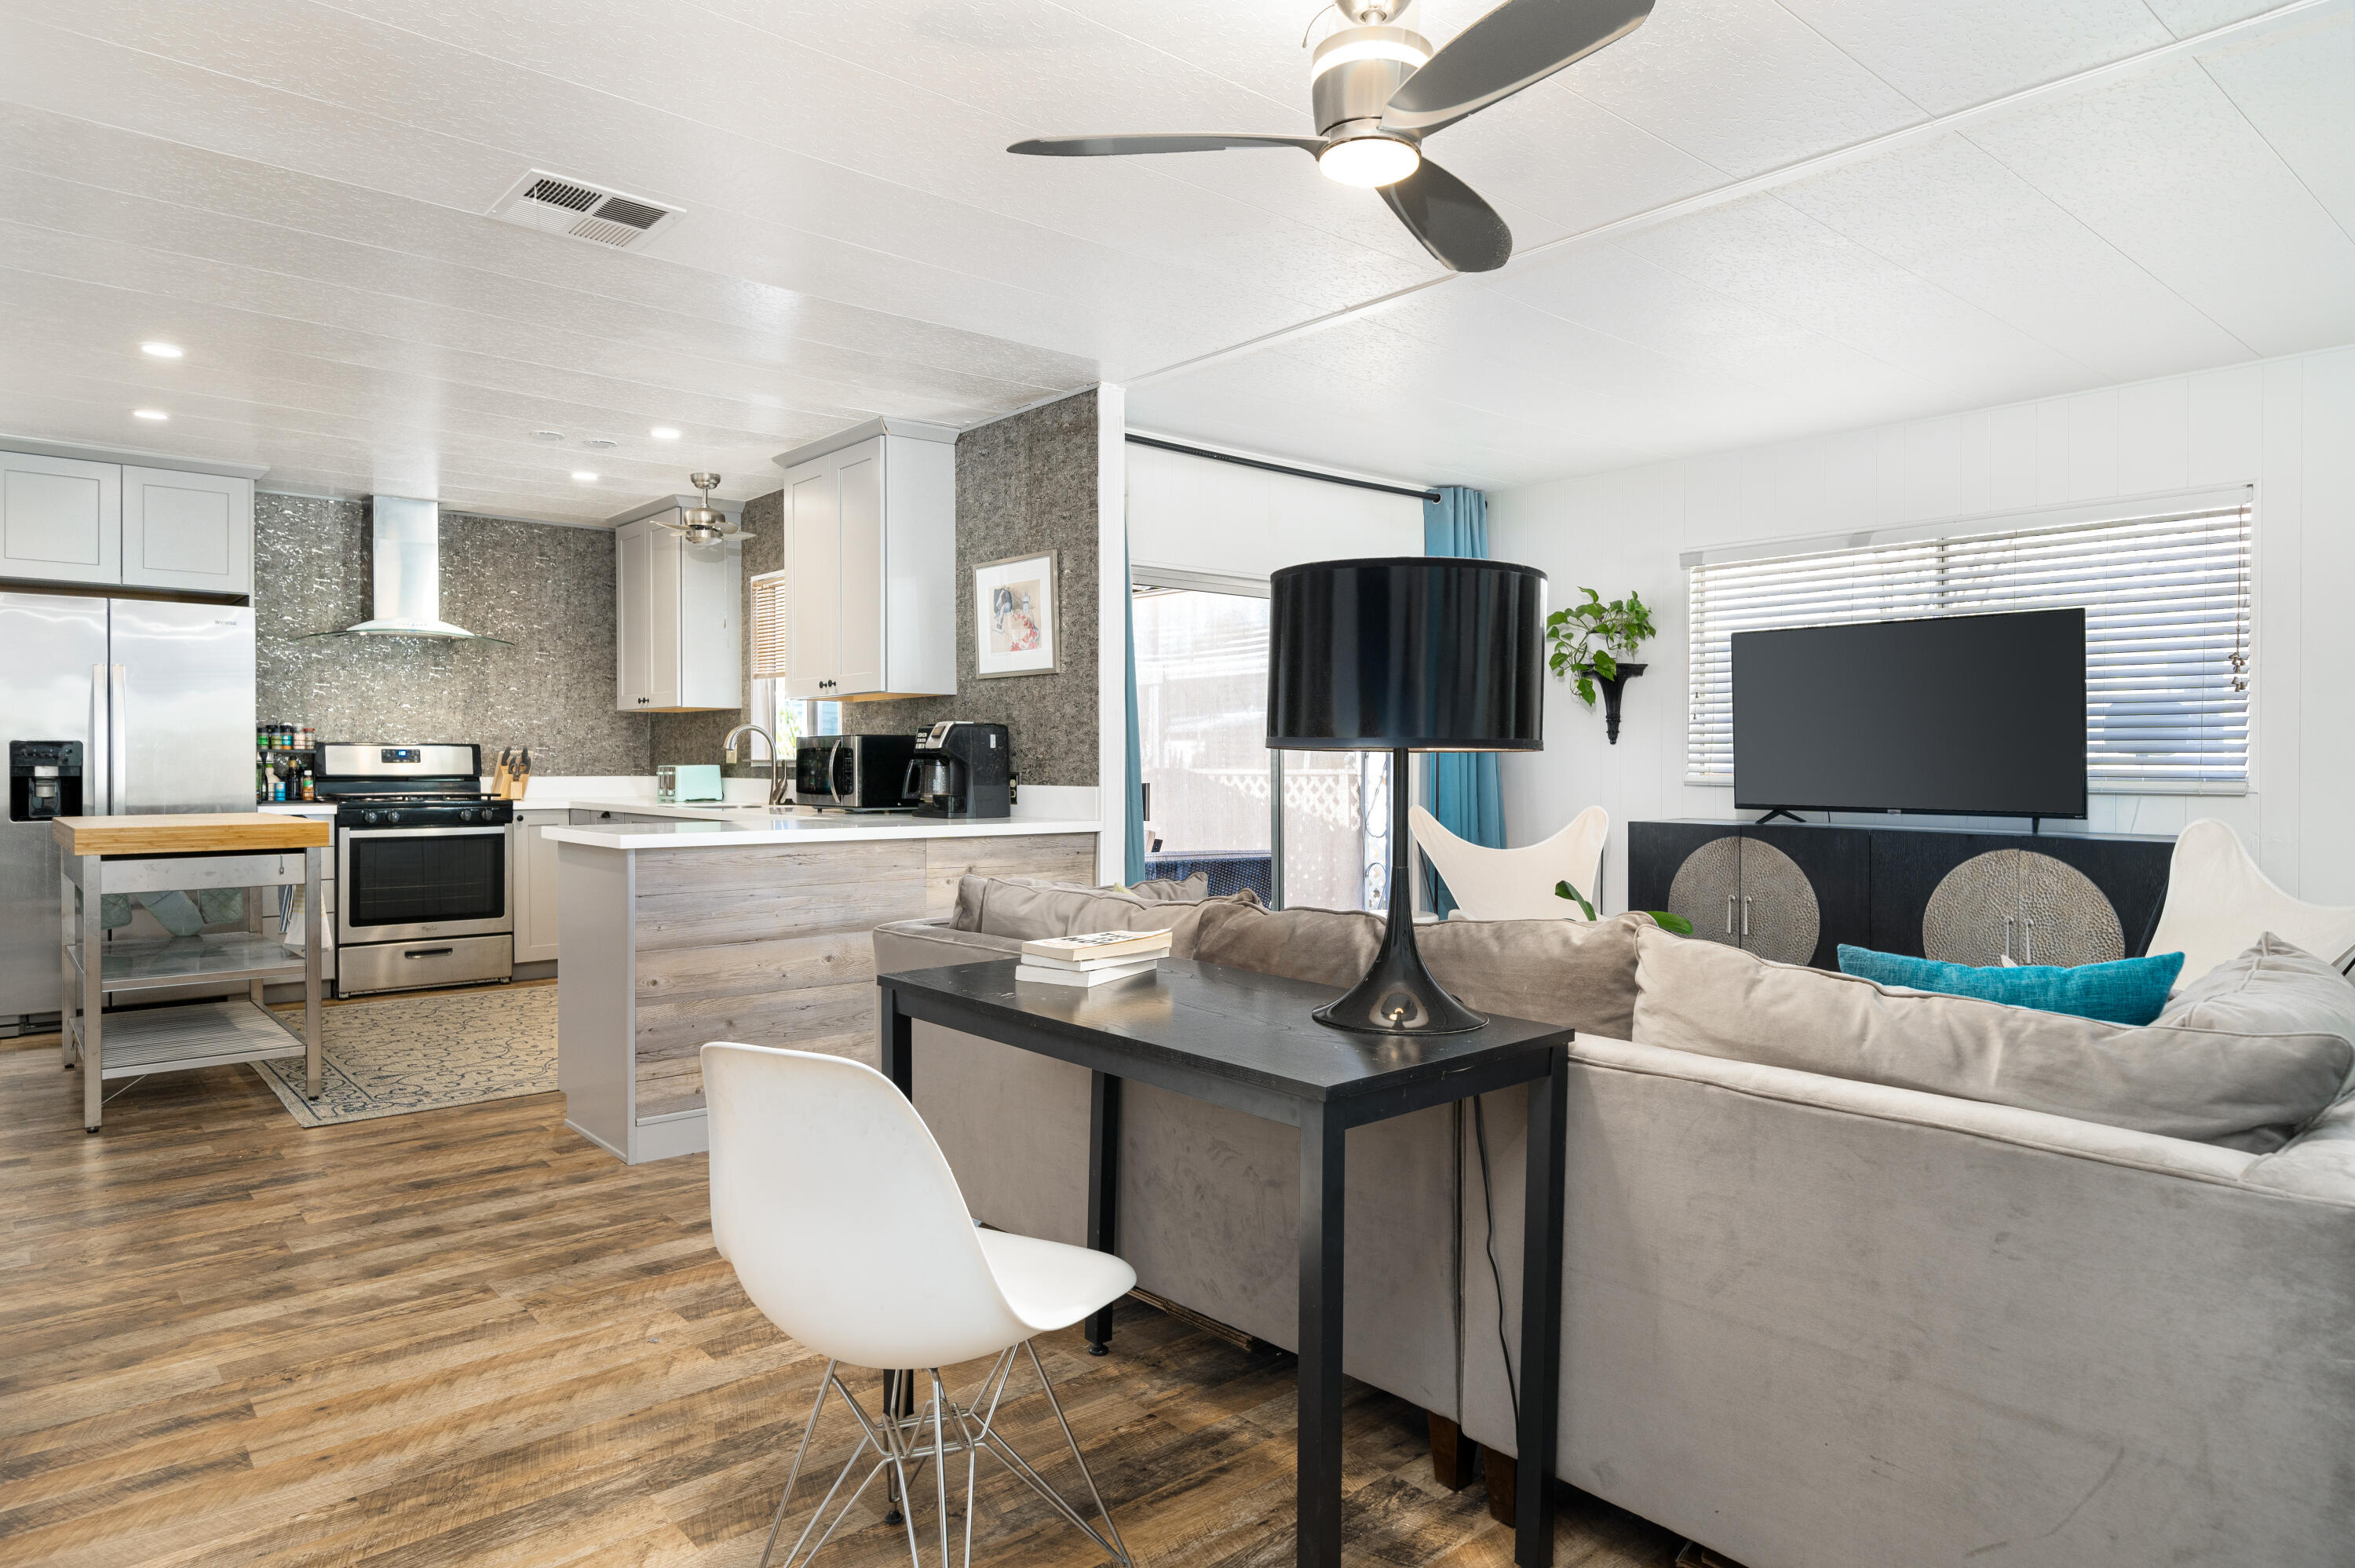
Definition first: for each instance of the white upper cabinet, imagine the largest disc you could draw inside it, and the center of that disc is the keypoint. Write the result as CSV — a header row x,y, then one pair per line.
x,y
870,551
60,519
678,641
187,530
73,520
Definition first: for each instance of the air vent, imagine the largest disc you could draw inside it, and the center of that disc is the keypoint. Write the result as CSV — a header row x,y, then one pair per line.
x,y
557,206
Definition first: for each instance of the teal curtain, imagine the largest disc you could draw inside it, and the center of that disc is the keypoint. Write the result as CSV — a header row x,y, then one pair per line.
x,y
1135,856
1462,787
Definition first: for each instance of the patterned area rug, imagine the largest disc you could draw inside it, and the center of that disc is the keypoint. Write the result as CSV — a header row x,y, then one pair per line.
x,y
422,1052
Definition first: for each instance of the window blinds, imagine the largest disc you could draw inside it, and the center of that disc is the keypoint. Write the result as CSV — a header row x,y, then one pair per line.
x,y
2166,629
769,623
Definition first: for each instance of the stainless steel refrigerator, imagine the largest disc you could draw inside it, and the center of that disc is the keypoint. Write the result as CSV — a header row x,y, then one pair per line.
x,y
151,700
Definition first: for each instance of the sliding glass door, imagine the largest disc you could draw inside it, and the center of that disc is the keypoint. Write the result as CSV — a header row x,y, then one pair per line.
x,y
1212,787
1201,710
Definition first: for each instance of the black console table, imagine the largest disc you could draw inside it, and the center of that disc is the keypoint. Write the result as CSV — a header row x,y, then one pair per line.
x,y
1244,1040
1794,891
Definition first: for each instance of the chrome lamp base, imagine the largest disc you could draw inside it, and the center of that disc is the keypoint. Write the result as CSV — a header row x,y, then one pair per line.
x,y
1398,995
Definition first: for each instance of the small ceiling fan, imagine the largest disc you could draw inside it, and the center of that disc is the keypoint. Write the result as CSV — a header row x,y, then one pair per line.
x,y
1377,90
704,524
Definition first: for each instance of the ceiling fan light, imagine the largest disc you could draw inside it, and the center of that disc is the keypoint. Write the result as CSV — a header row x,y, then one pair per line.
x,y
1370,162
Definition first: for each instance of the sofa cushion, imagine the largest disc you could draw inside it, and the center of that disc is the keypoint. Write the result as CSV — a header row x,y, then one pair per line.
x,y
2249,1092
1167,890
2124,990
1006,907
2272,988
1555,971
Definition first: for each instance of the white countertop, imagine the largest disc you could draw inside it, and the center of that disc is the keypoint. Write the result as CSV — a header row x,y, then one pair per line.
x,y
737,829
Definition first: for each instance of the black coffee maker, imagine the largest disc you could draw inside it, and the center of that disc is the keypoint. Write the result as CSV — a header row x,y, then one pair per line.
x,y
962,769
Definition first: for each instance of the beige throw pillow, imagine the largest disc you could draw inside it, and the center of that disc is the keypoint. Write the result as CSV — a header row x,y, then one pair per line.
x,y
2272,988
1555,971
1006,907
2249,1092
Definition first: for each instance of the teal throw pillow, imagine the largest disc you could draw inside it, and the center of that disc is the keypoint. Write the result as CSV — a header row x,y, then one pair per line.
x,y
2129,991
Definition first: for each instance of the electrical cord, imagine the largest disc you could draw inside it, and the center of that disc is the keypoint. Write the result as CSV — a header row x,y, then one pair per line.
x,y
1488,1243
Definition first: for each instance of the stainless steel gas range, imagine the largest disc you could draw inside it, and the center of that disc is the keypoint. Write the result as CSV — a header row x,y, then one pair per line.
x,y
422,867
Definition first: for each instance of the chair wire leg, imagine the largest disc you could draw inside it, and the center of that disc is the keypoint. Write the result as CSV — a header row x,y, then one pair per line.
x,y
1119,1546
825,1379
941,1459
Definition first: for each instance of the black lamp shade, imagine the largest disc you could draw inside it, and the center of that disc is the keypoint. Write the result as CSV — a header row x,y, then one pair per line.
x,y
1412,652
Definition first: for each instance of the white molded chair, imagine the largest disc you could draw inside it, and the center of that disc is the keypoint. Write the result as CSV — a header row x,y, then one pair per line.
x,y
846,1229
1517,883
2219,902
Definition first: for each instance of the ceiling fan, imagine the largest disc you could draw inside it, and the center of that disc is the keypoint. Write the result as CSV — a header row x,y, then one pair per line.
x,y
1377,90
704,524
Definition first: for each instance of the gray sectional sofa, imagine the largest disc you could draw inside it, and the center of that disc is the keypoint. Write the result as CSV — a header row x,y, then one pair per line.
x,y
1809,1318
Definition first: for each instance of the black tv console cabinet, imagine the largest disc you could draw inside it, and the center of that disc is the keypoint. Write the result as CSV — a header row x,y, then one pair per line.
x,y
1794,892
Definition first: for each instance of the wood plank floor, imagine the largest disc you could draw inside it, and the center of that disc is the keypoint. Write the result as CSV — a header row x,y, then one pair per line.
x,y
470,1337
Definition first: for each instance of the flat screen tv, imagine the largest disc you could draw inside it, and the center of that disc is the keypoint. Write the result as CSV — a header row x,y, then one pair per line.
x,y
1966,714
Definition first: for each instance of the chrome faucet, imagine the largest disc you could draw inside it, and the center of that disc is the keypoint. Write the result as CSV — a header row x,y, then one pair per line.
x,y
776,781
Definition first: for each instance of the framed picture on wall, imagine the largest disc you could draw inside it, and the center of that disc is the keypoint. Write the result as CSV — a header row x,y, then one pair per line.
x,y
1014,616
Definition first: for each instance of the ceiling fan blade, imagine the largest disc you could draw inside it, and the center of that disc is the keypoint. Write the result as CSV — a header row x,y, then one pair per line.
x,y
1453,224
1519,43
1115,147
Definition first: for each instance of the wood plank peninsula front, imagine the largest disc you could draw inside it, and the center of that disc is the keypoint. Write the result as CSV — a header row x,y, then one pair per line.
x,y
678,933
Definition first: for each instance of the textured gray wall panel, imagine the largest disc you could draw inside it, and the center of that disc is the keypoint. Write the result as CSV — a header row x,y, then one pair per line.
x,y
547,590
1024,483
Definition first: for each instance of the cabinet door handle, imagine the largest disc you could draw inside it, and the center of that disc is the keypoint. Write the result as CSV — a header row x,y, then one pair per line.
x,y
1728,914
2028,956
2008,923
1745,917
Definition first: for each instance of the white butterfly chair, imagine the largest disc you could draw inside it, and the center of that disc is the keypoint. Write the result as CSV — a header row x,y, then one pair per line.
x,y
2219,902
1517,883
846,1229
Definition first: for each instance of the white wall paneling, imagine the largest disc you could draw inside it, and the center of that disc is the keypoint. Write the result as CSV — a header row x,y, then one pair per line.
x,y
2282,424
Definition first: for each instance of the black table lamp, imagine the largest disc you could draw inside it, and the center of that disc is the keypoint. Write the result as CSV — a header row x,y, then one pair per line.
x,y
1404,654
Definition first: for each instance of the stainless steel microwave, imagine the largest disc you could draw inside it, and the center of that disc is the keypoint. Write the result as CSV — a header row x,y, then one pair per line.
x,y
855,772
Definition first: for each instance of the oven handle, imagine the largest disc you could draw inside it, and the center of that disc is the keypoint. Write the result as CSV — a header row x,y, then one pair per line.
x,y
425,952
423,832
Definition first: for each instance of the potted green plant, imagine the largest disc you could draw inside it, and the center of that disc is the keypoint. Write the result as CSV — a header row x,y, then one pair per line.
x,y
1661,917
1591,640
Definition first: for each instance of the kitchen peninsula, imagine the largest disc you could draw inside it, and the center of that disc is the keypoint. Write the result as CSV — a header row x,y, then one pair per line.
x,y
755,929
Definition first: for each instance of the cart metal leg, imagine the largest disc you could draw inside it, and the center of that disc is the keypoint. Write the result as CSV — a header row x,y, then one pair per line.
x,y
68,997
93,993
313,937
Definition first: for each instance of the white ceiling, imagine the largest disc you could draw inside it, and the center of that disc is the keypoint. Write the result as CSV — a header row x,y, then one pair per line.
x,y
296,193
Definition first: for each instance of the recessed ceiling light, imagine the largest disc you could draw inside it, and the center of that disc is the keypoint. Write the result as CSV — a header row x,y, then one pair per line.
x,y
600,443
548,435
583,476
161,350
664,433
157,414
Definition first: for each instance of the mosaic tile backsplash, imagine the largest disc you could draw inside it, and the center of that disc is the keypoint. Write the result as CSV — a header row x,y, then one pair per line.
x,y
547,590
1024,483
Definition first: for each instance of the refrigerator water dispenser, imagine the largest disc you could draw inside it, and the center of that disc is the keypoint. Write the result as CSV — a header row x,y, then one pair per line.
x,y
44,779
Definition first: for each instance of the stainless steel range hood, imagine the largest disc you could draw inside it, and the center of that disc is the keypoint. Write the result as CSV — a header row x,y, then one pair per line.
x,y
406,573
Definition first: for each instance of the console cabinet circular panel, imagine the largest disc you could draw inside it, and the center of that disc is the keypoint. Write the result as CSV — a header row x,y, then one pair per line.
x,y
1779,918
2022,906
1707,888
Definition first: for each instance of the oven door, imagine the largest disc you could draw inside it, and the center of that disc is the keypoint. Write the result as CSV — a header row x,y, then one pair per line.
x,y
397,885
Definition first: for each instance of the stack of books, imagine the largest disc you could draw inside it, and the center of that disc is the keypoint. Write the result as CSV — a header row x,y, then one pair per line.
x,y
1097,959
